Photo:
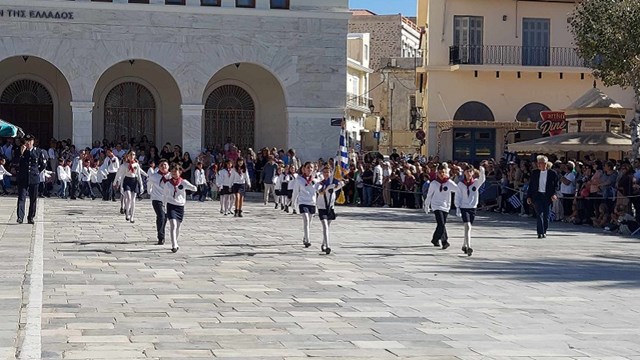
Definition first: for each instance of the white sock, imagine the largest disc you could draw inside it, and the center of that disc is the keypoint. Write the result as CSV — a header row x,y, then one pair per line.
x,y
306,220
467,235
175,232
325,232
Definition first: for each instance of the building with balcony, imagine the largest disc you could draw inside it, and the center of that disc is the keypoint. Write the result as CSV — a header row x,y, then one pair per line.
x,y
395,54
357,101
491,67
189,72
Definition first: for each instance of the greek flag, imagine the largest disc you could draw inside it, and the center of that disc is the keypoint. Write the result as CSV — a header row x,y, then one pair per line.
x,y
515,201
344,155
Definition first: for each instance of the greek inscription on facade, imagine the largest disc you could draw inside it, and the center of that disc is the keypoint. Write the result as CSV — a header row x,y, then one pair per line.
x,y
36,14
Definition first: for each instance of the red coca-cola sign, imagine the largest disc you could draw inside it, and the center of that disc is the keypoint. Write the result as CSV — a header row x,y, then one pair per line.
x,y
553,122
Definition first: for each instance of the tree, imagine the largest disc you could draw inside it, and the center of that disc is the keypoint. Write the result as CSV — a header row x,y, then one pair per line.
x,y
607,34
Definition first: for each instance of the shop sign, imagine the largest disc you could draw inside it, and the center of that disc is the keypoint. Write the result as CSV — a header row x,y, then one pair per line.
x,y
37,14
553,122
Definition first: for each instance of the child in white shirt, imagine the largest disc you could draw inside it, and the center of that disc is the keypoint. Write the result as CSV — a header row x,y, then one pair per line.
x,y
64,177
200,181
175,197
439,200
3,173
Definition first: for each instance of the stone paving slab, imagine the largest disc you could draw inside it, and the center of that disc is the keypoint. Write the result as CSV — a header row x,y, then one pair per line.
x,y
247,289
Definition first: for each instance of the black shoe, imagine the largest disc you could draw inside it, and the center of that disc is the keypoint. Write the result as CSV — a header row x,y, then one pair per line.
x,y
30,221
464,249
286,209
121,211
435,243
93,198
281,207
276,206
306,244
294,212
73,198
114,199
235,213
539,236
175,250
544,236
239,213
19,221
81,197
469,251
160,241
445,245
327,251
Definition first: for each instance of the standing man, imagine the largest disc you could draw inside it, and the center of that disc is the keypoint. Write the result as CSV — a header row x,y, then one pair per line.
x,y
542,192
109,168
268,173
568,188
31,162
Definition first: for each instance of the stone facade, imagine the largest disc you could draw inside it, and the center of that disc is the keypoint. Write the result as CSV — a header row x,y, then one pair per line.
x,y
177,51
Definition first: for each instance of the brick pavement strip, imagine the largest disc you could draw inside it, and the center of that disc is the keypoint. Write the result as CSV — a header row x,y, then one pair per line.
x,y
247,289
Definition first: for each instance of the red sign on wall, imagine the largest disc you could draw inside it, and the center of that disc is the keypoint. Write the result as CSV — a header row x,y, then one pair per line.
x,y
553,122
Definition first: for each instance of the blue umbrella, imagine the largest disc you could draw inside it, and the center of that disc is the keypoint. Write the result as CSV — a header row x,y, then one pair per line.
x,y
9,130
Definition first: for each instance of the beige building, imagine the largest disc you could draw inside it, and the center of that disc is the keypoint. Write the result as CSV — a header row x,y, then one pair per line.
x,y
491,66
395,42
358,100
190,72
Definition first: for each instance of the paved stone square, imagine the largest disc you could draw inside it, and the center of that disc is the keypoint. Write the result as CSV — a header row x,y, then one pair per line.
x,y
245,288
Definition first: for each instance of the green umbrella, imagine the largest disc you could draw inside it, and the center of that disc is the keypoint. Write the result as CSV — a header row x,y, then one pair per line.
x,y
9,130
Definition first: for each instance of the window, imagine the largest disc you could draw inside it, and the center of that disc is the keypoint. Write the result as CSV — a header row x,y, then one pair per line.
x,y
279,4
246,3
210,2
174,2
467,37
102,0
138,1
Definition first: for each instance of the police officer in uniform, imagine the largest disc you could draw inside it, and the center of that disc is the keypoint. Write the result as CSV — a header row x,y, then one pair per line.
x,y
31,162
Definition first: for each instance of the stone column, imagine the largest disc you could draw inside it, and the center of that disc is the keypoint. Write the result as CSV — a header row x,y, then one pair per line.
x,y
192,129
82,123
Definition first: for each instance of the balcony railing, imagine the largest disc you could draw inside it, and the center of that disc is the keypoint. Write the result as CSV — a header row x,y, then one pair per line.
x,y
358,101
515,55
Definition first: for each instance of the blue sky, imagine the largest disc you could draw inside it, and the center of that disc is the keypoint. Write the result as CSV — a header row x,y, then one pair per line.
x,y
383,7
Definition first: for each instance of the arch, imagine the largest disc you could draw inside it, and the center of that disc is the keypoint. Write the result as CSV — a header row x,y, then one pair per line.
x,y
531,112
164,93
474,110
129,111
229,114
269,118
36,96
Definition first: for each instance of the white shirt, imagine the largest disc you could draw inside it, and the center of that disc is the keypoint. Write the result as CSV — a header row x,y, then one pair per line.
x,y
110,165
177,195
44,175
120,153
76,165
467,197
3,172
377,175
240,177
305,192
439,195
542,185
224,178
155,186
95,175
199,177
571,188
62,173
152,171
330,194
86,174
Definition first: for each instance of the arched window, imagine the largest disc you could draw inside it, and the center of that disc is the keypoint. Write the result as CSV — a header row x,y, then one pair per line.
x,y
474,110
26,92
28,104
229,113
129,112
531,112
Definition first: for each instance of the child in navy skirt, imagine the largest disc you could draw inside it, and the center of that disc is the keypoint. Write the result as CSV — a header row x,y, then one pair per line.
x,y
175,197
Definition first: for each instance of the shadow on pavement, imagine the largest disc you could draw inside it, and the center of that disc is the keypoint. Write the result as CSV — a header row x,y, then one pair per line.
x,y
611,271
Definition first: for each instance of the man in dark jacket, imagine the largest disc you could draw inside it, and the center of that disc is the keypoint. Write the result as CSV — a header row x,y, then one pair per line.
x,y
31,162
542,193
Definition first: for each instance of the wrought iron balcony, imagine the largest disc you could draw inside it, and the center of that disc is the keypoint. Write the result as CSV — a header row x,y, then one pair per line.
x,y
358,102
515,55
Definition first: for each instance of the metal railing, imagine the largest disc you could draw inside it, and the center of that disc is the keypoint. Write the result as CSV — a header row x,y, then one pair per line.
x,y
515,55
358,101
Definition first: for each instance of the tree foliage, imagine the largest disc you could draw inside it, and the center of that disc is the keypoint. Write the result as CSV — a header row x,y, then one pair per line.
x,y
607,34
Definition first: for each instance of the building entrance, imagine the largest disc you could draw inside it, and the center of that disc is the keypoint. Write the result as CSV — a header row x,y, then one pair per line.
x,y
230,113
28,104
129,112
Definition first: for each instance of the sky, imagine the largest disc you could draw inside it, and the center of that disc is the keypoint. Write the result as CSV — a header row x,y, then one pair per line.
x,y
385,7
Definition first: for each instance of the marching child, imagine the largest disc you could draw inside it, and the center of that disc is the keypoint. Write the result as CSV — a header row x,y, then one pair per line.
x,y
212,174
277,186
439,200
200,181
466,200
241,182
175,197
225,183
304,193
285,179
42,186
97,177
156,183
64,177
85,177
129,179
326,202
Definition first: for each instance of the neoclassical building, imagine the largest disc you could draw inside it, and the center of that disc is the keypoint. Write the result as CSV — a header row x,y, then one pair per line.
x,y
189,72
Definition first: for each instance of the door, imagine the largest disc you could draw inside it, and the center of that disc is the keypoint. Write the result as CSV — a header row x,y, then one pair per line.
x,y
467,36
129,113
536,39
474,145
28,104
229,113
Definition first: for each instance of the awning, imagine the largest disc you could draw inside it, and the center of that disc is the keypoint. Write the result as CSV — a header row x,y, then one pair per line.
x,y
584,141
7,129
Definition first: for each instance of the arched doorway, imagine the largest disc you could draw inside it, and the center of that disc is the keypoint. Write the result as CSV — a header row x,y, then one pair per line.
x,y
473,144
530,113
129,112
229,113
28,104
